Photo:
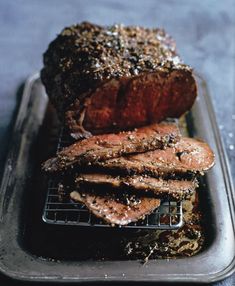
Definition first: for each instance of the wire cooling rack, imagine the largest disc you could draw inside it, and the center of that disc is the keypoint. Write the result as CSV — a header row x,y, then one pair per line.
x,y
168,216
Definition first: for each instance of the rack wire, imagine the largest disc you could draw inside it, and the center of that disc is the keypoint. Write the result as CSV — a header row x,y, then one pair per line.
x,y
168,216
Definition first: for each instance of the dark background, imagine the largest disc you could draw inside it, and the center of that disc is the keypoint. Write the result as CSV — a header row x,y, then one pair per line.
x,y
204,32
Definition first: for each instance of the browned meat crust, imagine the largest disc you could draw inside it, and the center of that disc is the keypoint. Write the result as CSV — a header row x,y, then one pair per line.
x,y
185,157
163,189
102,147
102,78
115,210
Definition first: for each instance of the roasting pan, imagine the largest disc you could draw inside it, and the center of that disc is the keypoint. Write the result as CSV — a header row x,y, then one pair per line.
x,y
30,248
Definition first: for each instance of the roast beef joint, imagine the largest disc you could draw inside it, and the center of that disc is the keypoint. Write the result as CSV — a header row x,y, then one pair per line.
x,y
102,79
115,89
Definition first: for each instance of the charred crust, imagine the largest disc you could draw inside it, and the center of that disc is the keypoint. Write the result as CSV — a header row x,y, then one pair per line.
x,y
85,56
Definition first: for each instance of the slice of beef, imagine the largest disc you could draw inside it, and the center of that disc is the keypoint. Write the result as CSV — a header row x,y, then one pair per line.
x,y
188,156
102,147
116,210
116,77
163,189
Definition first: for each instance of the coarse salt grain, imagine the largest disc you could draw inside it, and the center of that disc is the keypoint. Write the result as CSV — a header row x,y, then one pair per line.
x,y
231,147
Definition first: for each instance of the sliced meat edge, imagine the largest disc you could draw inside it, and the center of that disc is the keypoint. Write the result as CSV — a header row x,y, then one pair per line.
x,y
106,146
113,210
176,190
188,156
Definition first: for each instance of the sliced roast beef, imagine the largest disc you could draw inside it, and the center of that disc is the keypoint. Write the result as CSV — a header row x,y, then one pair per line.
x,y
188,156
106,78
102,147
116,210
159,188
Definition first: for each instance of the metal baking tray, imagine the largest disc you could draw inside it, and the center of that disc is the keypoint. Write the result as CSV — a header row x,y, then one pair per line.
x,y
26,252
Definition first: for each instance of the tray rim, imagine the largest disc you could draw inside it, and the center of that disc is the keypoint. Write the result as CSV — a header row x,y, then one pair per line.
x,y
227,271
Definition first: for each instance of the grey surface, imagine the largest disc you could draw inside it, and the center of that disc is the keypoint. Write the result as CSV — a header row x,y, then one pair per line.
x,y
204,31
